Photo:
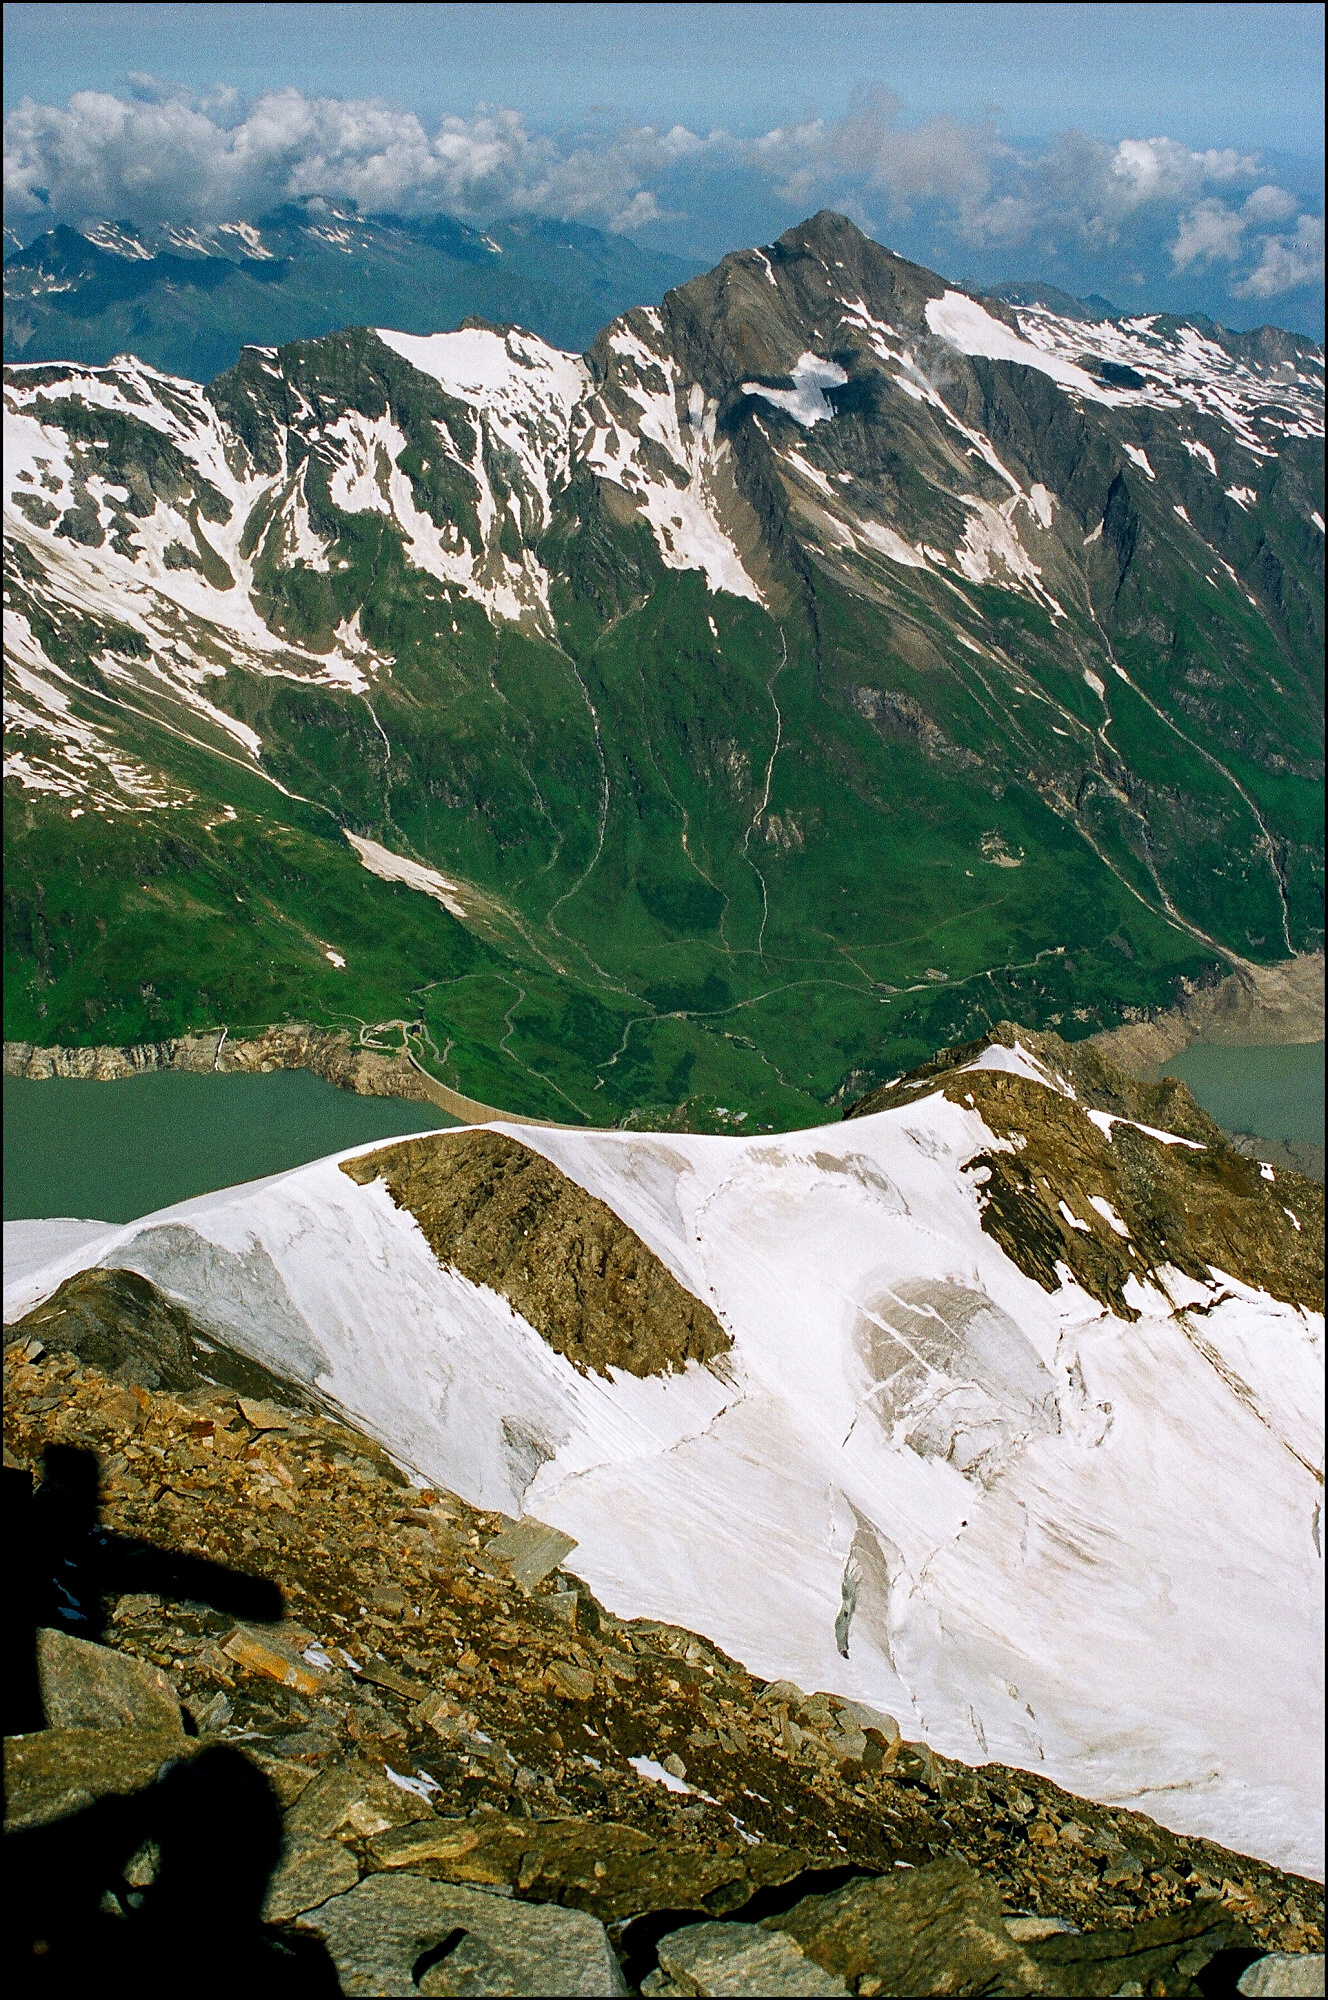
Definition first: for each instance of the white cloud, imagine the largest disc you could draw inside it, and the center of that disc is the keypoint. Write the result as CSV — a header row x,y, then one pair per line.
x,y
1287,263
1269,204
1162,168
1209,231
640,210
941,161
157,154
160,153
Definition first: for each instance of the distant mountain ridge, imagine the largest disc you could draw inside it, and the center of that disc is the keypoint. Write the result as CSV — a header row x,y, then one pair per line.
x,y
1029,292
186,299
702,729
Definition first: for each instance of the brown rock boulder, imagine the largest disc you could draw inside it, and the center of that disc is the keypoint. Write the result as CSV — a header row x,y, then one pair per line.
x,y
938,1929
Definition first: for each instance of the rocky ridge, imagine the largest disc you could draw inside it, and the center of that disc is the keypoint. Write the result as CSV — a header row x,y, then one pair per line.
x,y
1091,1181
507,1218
417,1715
188,298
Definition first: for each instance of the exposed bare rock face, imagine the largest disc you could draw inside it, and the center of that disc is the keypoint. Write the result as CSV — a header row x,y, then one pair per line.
x,y
507,1218
1257,1006
1117,1179
122,1323
328,1052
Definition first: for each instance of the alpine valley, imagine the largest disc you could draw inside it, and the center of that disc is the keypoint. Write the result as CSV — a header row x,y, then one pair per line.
x,y
827,665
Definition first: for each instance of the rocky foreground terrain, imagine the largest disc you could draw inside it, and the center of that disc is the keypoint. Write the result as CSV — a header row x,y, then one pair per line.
x,y
313,1728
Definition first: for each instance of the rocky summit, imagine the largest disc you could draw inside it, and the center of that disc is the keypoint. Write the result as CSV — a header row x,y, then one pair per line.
x,y
697,731
326,1731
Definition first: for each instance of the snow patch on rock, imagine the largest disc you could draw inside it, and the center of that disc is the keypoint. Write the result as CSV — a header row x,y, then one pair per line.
x,y
965,324
391,867
806,402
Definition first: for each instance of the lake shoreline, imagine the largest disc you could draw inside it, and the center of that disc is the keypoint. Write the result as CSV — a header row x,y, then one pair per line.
x,y
1253,1007
1257,1006
75,1150
331,1053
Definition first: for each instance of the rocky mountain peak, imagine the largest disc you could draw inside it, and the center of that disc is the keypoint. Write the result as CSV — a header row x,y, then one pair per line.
x,y
760,309
1056,581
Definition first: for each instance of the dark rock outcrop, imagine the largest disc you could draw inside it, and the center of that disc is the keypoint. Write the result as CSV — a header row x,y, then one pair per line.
x,y
507,1218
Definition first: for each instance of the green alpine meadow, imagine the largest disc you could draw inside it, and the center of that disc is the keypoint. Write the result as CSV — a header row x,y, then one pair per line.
x,y
828,665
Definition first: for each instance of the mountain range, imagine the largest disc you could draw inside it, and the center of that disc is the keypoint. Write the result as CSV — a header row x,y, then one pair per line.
x,y
697,731
187,299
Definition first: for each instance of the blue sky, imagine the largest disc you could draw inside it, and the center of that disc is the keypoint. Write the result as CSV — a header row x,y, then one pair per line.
x,y
1225,75
1160,154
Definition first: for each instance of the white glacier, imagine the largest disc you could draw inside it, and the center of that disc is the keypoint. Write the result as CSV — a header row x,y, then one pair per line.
x,y
1080,1544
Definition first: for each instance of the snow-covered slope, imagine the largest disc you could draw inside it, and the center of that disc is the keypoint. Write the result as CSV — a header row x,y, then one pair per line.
x,y
1147,363
1032,1529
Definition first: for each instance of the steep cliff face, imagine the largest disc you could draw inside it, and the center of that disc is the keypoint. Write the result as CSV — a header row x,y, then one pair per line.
x,y
824,666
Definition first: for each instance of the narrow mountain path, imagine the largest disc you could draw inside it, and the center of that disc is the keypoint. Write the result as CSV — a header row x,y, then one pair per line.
x,y
575,944
1266,843
503,1049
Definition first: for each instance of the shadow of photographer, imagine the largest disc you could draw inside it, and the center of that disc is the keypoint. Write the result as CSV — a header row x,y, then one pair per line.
x,y
165,1885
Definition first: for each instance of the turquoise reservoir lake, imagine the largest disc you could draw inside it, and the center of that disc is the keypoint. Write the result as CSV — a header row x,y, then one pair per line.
x,y
114,1151
1276,1093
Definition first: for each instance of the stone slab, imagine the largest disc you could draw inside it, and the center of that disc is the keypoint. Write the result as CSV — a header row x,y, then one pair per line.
x,y
1283,1972
397,1934
722,1959
85,1686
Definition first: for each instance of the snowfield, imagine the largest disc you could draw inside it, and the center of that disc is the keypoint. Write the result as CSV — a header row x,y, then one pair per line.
x,y
1031,1530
